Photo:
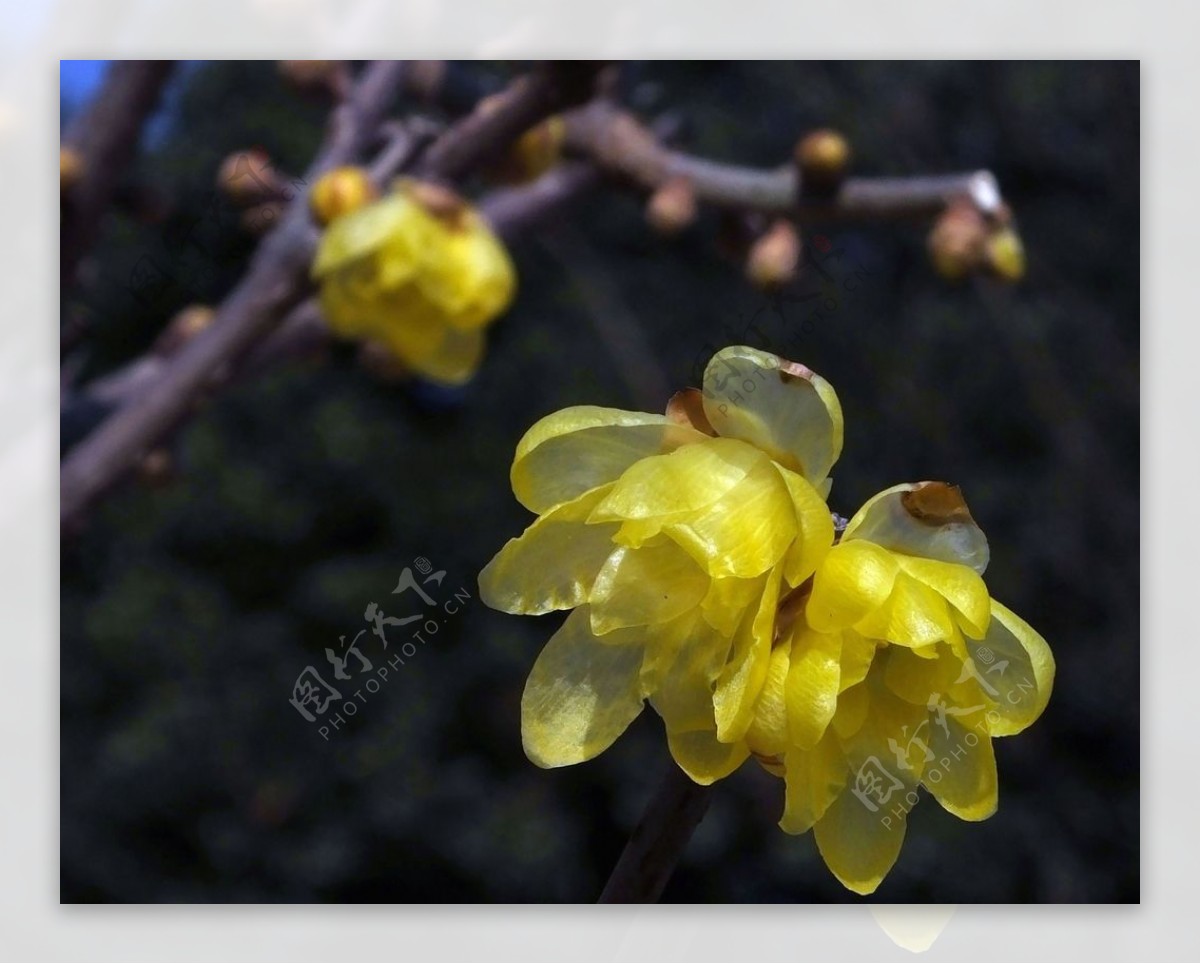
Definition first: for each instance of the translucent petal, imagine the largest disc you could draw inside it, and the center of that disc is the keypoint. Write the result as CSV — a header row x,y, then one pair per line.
x,y
960,585
637,587
684,695
852,707
746,532
576,449
778,406
813,684
703,758
768,732
680,483
861,833
860,845
914,679
726,602
742,678
962,774
928,519
853,579
553,564
857,654
580,695
914,615
813,779
1018,668
814,526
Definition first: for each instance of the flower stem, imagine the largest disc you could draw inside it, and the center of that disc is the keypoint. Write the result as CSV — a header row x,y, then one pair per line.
x,y
654,848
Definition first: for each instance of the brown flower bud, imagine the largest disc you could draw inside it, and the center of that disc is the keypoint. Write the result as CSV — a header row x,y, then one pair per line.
x,y
775,257
156,468
956,242
340,191
183,327
247,176
672,208
1004,255
442,202
823,157
70,168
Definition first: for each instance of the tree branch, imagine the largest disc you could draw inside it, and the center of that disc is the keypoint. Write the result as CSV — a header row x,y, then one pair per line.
x,y
620,144
275,282
105,135
658,841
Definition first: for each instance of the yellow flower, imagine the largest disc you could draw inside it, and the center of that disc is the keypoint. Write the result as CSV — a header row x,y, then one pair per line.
x,y
672,538
419,271
893,671
698,555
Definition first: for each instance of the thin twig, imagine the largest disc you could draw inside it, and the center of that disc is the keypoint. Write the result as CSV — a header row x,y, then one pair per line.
x,y
623,145
658,841
275,282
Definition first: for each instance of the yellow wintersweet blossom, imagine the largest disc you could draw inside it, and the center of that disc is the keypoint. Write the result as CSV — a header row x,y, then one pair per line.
x,y
893,670
419,271
672,538
700,560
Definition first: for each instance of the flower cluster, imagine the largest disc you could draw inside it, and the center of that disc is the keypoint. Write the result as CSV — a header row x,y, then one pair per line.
x,y
419,271
705,575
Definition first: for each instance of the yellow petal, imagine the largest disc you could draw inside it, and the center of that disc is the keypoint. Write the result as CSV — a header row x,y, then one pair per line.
x,y
915,679
637,587
813,683
857,654
780,407
576,449
852,707
742,678
861,833
361,233
1016,669
960,585
726,602
853,579
473,280
813,780
914,615
814,526
928,519
553,564
456,358
703,758
681,482
962,775
580,695
768,732
684,694
744,533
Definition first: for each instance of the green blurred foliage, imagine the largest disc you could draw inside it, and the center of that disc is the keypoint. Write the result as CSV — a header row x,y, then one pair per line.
x,y
189,610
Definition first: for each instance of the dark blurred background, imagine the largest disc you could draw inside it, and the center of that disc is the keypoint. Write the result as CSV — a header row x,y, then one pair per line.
x,y
189,607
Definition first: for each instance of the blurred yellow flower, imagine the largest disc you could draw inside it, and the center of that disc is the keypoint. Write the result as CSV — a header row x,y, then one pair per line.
x,y
672,538
419,271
